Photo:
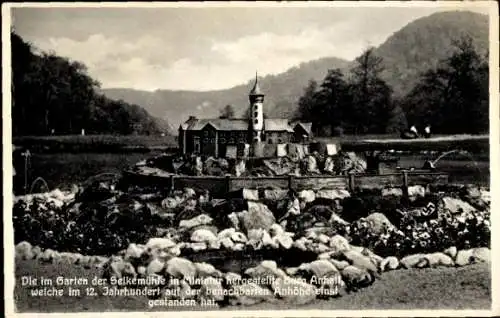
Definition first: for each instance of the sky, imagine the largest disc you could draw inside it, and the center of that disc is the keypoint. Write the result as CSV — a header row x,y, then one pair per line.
x,y
206,48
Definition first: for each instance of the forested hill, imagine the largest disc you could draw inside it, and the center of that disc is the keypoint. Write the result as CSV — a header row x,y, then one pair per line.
x,y
409,52
423,43
282,91
54,95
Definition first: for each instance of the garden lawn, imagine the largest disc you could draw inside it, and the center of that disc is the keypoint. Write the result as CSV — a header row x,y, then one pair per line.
x,y
443,288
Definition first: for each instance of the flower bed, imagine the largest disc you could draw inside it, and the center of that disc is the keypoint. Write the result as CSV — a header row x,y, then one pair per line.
x,y
102,221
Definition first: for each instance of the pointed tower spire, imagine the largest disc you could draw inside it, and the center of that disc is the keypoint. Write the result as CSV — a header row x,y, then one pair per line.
x,y
256,91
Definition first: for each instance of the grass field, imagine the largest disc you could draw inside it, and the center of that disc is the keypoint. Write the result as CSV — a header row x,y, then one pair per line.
x,y
95,143
64,169
444,288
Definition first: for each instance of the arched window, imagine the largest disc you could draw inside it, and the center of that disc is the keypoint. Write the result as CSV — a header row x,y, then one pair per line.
x,y
256,121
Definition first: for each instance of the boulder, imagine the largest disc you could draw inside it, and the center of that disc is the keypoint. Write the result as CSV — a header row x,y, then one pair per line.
x,y
361,261
376,259
438,259
389,263
85,261
99,261
181,268
213,245
283,240
319,248
302,244
473,255
340,265
276,229
307,196
202,219
23,251
36,251
392,192
69,258
160,243
258,216
451,251
411,261
339,243
238,247
318,268
171,203
335,219
189,193
485,196
265,272
203,236
293,207
238,237
355,278
207,270
155,266
48,256
116,267
226,233
234,220
377,223
416,191
198,246
284,288
323,238
454,206
141,271
339,194
226,243
134,252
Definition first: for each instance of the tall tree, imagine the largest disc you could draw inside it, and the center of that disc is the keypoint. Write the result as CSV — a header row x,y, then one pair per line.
x,y
371,96
51,92
227,112
333,101
454,97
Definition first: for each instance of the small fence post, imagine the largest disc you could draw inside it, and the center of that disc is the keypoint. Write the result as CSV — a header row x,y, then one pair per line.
x,y
352,184
290,182
228,183
172,183
405,186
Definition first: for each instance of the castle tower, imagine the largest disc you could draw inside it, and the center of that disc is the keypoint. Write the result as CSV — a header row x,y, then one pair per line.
x,y
256,111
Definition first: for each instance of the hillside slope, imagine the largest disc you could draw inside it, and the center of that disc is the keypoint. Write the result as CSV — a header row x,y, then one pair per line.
x,y
282,91
422,43
408,52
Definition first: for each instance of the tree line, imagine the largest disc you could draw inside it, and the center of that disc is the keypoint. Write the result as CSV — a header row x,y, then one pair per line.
x,y
54,95
452,98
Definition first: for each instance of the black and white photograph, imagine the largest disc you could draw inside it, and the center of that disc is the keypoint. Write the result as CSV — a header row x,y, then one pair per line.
x,y
272,158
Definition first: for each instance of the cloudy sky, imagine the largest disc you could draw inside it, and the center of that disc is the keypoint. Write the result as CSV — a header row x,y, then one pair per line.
x,y
205,48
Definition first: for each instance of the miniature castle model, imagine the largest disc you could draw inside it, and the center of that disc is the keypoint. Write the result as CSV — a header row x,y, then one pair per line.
x,y
226,137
